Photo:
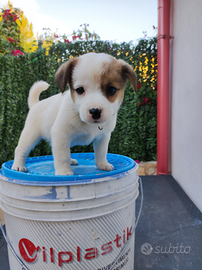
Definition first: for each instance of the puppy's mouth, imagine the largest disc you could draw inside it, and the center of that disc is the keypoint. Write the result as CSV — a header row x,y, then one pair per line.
x,y
96,123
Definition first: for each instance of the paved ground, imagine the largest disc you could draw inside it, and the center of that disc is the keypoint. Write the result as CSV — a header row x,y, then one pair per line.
x,y
170,228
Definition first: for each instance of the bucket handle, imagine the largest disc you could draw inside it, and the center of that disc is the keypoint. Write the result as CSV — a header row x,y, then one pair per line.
x,y
141,203
24,267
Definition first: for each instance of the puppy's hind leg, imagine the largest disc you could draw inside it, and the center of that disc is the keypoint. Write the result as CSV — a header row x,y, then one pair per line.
x,y
28,139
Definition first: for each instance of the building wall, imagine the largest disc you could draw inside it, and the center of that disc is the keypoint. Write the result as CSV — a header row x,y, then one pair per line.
x,y
186,90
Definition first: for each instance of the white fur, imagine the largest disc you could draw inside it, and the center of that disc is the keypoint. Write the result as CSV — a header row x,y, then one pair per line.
x,y
66,123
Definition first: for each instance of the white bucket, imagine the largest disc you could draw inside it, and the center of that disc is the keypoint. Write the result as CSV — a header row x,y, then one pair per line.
x,y
79,222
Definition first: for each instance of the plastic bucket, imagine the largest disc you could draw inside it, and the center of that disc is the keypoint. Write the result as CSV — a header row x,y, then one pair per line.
x,y
78,222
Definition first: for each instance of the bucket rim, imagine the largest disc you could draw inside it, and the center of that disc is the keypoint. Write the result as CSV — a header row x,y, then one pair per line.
x,y
123,166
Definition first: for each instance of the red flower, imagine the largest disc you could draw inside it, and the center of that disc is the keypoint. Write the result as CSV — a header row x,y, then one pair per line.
x,y
15,17
75,37
8,15
67,41
140,104
7,11
146,100
139,86
137,161
56,36
10,39
16,53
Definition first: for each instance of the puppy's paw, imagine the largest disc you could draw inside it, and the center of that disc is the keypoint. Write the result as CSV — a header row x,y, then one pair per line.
x,y
74,162
18,168
105,166
64,172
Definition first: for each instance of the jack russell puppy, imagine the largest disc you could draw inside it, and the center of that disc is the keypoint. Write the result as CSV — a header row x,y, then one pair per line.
x,y
86,113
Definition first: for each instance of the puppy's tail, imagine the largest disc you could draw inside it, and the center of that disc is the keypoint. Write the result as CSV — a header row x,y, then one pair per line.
x,y
35,91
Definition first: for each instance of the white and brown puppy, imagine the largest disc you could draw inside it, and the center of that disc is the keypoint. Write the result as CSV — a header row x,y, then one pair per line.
x,y
86,113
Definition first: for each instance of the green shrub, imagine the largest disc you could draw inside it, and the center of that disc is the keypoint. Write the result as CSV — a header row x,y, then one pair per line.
x,y
135,132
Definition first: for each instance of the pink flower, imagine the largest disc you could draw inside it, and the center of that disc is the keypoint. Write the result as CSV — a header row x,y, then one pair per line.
x,y
137,161
56,36
10,39
67,41
16,53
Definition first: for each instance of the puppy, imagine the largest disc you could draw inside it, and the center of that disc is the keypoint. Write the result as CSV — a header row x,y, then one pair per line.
x,y
86,113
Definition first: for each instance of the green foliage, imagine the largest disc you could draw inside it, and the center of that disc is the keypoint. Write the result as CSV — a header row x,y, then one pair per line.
x,y
135,132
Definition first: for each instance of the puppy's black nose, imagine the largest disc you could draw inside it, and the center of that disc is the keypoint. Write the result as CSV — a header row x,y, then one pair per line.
x,y
96,113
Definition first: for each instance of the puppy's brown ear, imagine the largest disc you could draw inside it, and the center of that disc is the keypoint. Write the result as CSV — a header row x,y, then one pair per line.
x,y
63,75
129,74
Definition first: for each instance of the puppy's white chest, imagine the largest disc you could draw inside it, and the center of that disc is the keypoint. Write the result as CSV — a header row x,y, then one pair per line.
x,y
84,139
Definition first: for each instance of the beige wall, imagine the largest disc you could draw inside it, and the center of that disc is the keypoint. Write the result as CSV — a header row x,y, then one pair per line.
x,y
186,86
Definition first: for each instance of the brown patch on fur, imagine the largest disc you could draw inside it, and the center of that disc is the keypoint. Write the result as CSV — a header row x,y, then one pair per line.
x,y
129,74
63,75
116,74
96,78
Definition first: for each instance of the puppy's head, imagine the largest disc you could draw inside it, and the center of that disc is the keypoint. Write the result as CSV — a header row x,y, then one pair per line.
x,y
97,83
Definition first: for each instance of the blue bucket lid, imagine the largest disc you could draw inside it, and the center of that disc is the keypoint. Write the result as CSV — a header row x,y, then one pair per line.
x,y
40,170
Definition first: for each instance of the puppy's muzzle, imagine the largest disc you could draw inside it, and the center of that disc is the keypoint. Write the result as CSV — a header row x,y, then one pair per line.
x,y
96,113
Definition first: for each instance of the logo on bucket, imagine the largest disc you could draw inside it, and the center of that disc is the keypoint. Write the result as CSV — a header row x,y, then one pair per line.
x,y
30,252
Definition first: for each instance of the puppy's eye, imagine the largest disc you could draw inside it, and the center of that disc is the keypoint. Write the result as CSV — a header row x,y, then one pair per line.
x,y
111,90
80,90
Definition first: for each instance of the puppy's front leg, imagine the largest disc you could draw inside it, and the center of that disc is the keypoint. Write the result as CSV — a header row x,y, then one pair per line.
x,y
61,142
100,146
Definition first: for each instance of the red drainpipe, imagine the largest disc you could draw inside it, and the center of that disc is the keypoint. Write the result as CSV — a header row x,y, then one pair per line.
x,y
163,45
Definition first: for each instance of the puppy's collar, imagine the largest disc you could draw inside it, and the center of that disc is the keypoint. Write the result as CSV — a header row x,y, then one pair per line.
x,y
100,127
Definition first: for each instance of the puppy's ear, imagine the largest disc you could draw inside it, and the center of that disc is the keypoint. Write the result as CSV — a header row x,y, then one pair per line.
x,y
63,75
129,74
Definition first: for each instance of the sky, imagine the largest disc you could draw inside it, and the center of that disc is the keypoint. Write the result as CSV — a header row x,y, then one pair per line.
x,y
113,20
